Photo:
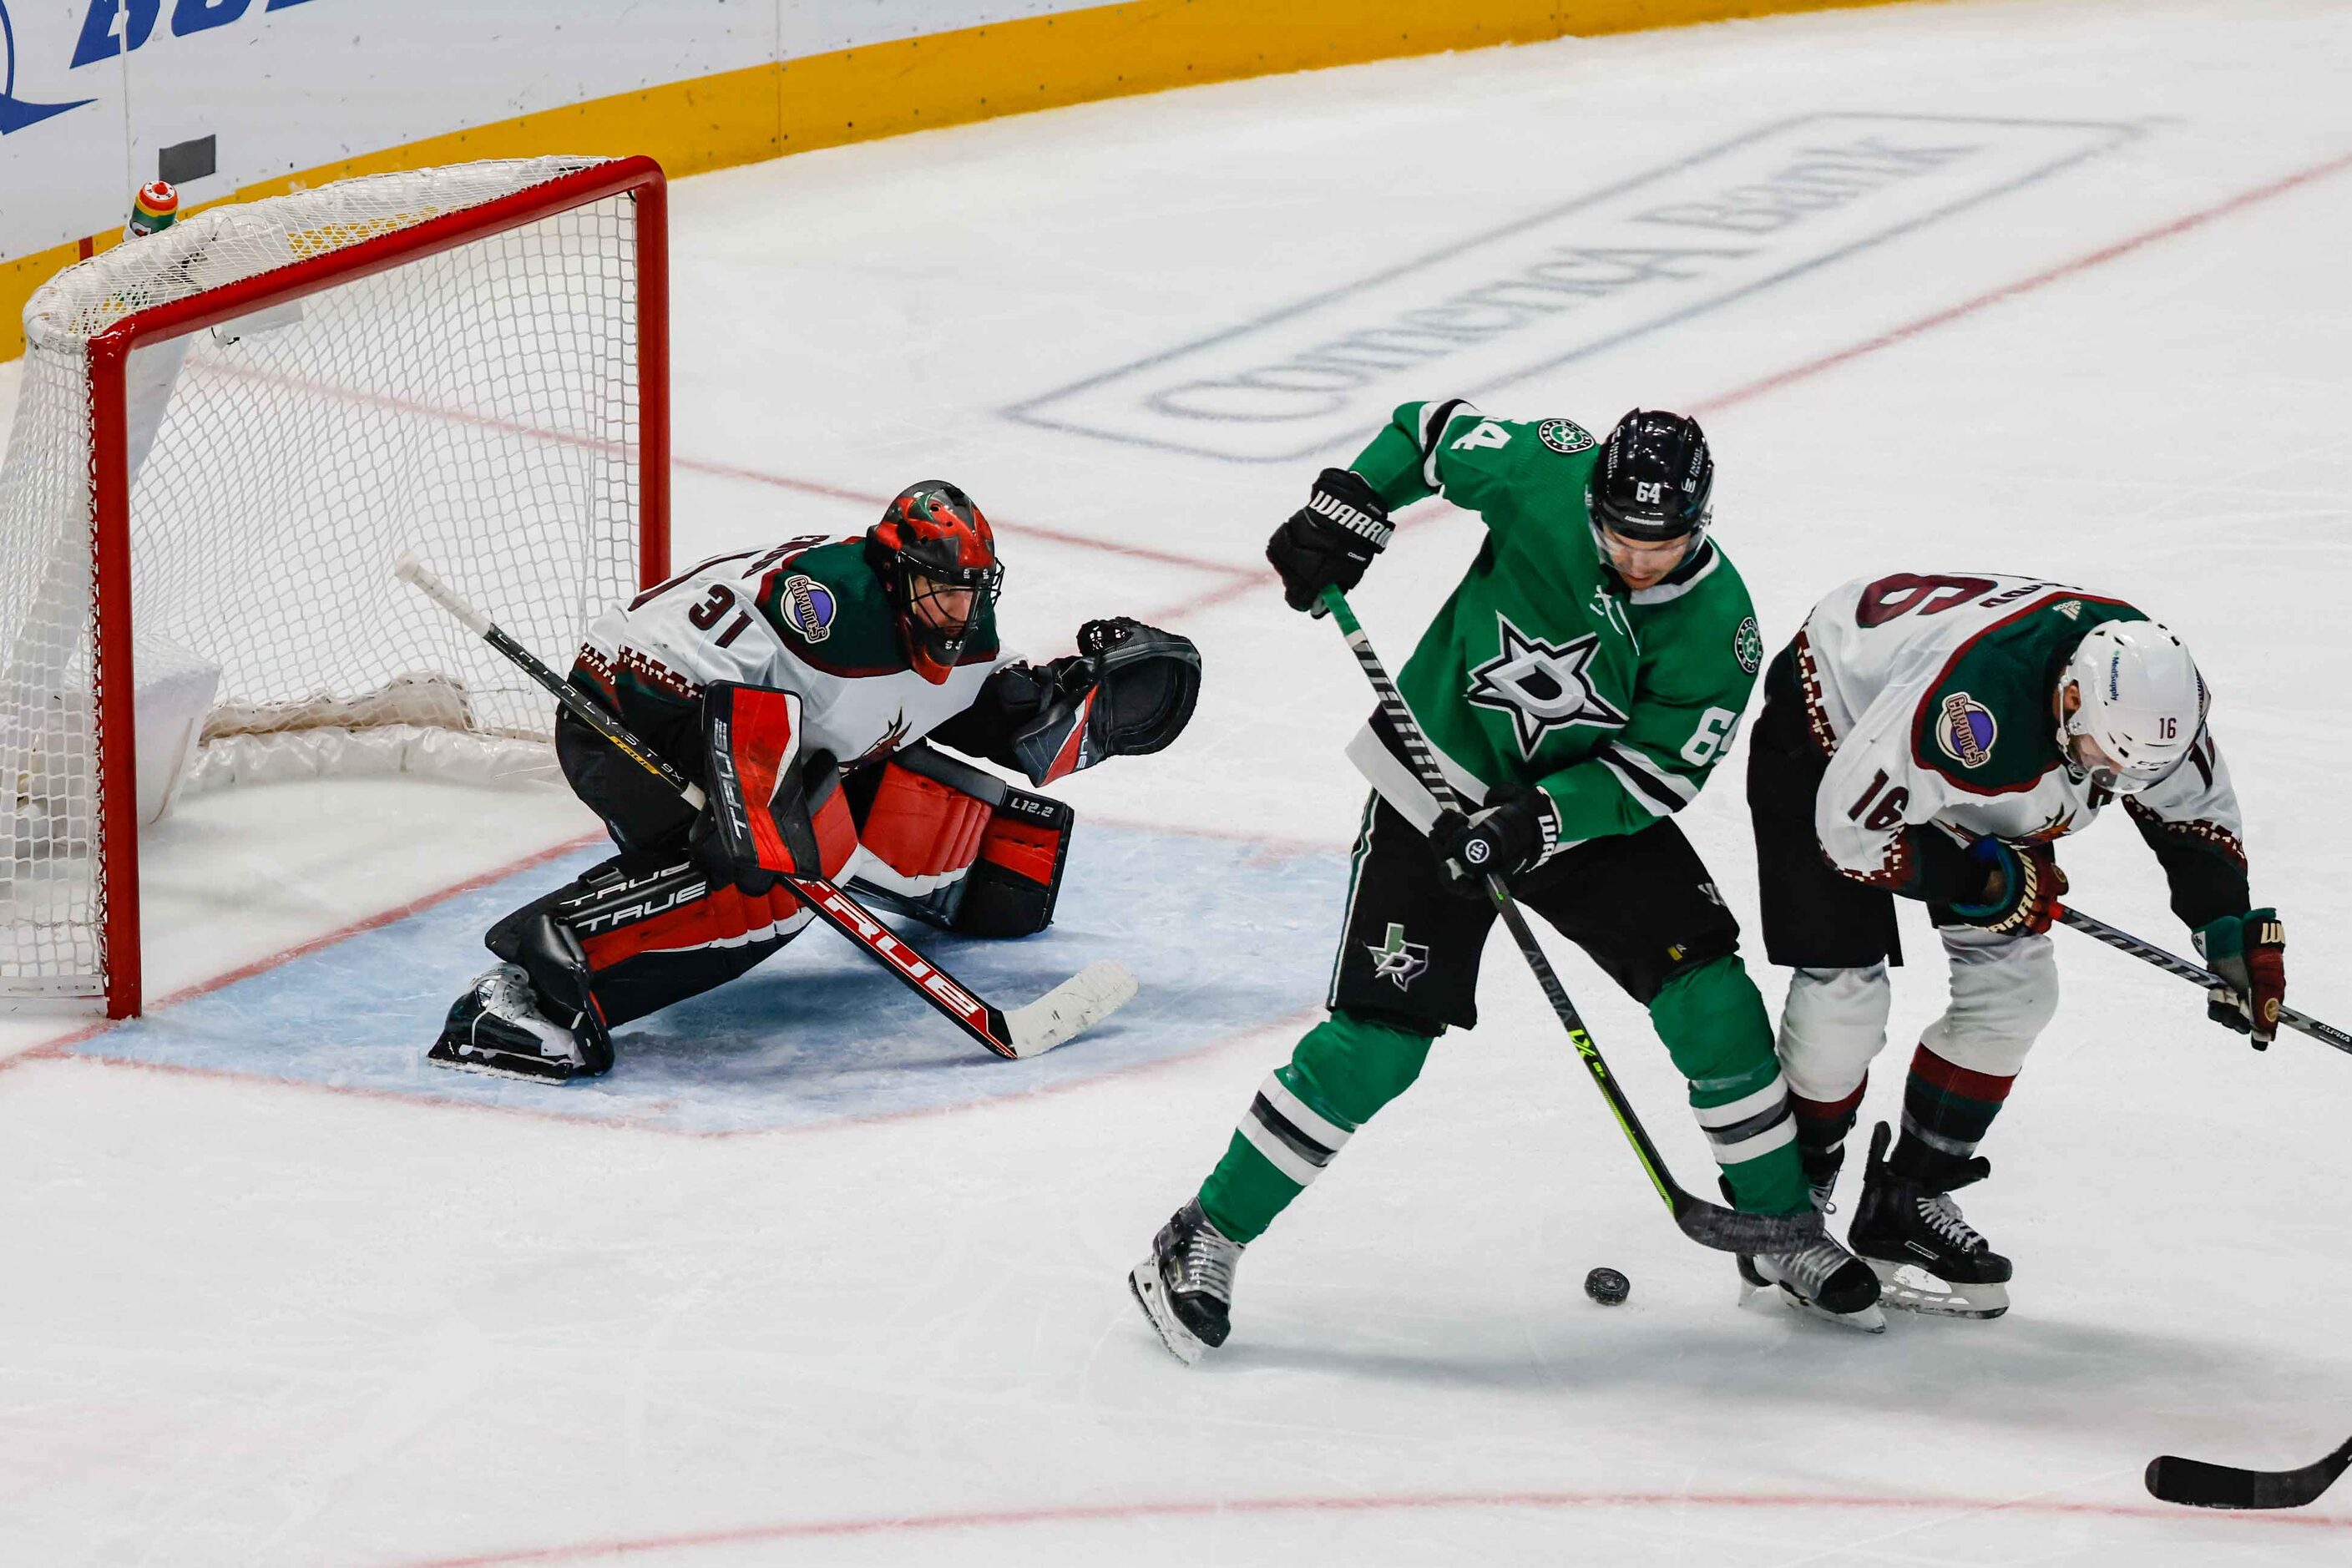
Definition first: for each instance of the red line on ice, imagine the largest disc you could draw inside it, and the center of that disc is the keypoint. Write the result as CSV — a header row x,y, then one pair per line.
x,y
53,1048
998,1519
1239,579
2027,285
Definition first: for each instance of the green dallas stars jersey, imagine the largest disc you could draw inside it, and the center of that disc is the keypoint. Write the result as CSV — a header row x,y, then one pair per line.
x,y
1541,667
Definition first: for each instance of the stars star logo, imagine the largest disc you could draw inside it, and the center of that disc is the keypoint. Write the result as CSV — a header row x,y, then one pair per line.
x,y
1398,959
1542,685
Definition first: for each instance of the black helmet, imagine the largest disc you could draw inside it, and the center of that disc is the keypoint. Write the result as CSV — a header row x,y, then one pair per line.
x,y
1654,478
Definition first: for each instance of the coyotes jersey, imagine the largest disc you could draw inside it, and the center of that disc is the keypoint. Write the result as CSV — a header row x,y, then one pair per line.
x,y
1932,696
808,616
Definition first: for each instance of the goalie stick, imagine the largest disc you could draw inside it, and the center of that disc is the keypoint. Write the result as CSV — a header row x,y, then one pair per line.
x,y
1076,1004
1710,1224
2196,1484
2172,963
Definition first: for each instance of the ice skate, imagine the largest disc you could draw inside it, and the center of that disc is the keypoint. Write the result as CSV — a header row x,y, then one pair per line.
x,y
1186,1285
1822,1281
496,1026
1927,1257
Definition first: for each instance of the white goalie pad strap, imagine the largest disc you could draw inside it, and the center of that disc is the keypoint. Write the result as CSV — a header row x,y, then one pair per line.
x,y
1278,1154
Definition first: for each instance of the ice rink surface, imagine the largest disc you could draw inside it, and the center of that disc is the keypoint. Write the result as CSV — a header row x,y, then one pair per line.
x,y
261,1308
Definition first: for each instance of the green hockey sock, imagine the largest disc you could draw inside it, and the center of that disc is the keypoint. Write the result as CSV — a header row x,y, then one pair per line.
x,y
1344,1071
1716,1028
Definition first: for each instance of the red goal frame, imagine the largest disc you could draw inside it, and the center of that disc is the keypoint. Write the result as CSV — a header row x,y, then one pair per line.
x,y
109,354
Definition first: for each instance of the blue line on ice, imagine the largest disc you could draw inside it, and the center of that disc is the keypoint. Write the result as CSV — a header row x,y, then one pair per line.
x,y
1223,936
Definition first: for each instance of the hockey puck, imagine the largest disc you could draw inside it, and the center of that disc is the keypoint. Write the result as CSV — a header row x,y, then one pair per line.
x,y
1607,1287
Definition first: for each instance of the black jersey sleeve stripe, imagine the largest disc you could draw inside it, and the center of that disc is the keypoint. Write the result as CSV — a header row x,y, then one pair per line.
x,y
1638,782
1435,418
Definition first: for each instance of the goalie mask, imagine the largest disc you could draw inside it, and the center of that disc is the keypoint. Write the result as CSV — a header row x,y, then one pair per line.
x,y
936,557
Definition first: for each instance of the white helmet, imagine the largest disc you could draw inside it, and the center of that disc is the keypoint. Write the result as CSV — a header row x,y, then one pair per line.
x,y
2142,702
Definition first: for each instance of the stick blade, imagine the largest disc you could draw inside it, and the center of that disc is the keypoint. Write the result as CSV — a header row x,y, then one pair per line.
x,y
1727,1230
1071,1008
2193,1483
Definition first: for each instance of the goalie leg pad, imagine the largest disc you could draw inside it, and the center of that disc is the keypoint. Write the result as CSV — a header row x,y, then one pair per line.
x,y
654,930
922,829
1011,891
957,847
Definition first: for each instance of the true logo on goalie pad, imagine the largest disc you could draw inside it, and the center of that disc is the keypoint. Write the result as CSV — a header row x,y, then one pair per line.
x,y
809,608
1398,959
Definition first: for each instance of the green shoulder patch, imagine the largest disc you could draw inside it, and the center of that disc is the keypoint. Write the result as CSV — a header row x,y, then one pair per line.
x,y
831,610
1565,436
1748,646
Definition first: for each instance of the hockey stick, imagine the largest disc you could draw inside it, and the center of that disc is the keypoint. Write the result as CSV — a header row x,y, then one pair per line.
x,y
2147,951
1710,1224
1077,1004
2199,1485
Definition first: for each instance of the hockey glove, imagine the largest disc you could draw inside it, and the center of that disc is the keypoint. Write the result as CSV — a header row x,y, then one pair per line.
x,y
2023,887
1129,692
1328,542
2249,951
1515,829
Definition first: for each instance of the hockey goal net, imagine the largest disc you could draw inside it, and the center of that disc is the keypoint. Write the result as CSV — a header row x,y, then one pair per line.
x,y
227,434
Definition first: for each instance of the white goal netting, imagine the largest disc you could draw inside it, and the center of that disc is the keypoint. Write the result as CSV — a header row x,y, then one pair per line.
x,y
479,404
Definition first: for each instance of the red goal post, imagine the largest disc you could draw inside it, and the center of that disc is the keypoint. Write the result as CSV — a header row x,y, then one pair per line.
x,y
274,399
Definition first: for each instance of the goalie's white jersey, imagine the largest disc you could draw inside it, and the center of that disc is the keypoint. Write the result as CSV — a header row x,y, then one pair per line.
x,y
808,616
1933,696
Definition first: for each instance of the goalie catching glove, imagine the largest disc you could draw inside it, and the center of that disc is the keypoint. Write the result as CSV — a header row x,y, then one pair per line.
x,y
1128,693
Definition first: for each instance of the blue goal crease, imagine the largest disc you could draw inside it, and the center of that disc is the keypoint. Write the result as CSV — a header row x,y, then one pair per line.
x,y
1224,937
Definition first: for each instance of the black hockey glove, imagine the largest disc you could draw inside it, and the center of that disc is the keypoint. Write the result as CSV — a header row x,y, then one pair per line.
x,y
1328,542
2249,951
2023,887
1517,828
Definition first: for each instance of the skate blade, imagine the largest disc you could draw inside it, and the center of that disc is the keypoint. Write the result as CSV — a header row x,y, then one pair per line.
x,y
1869,1320
483,1066
1911,1288
1143,1284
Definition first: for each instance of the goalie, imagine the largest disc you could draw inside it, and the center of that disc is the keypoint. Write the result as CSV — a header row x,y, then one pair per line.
x,y
814,675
